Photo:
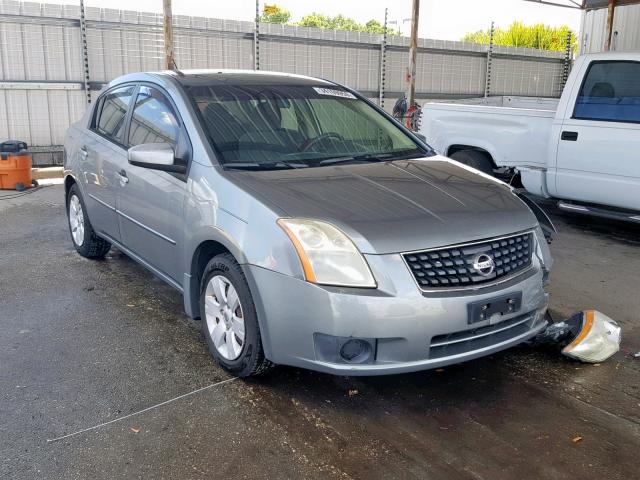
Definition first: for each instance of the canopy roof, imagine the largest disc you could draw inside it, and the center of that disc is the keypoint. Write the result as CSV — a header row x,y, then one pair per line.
x,y
583,4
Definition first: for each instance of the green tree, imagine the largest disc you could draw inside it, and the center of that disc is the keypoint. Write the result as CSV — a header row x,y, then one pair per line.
x,y
540,36
340,22
374,26
275,14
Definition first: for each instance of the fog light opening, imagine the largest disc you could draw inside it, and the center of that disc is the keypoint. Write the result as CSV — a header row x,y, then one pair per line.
x,y
355,351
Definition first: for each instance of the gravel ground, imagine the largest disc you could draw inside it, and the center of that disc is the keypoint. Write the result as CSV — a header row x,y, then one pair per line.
x,y
88,345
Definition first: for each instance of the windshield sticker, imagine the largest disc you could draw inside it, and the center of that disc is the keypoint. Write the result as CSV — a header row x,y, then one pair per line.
x,y
334,93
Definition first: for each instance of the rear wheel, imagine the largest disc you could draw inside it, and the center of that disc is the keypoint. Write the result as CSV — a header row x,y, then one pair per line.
x,y
229,319
87,243
473,158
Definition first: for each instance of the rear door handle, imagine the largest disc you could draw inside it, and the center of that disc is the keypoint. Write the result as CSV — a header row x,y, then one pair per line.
x,y
569,136
84,153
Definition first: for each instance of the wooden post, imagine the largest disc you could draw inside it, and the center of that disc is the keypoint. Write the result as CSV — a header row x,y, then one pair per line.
x,y
413,51
169,62
611,10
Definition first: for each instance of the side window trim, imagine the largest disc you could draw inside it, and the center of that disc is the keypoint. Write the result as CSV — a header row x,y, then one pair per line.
x,y
581,88
166,97
98,113
97,107
183,141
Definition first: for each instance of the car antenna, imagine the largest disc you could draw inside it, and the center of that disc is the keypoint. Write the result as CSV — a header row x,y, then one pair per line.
x,y
176,69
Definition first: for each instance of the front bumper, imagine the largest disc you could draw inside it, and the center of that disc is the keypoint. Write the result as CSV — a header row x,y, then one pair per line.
x,y
410,330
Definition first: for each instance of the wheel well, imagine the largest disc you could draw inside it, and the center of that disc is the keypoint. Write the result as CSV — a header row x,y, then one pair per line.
x,y
205,252
68,183
457,148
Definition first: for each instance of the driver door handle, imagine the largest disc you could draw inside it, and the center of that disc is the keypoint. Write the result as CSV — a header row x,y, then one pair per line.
x,y
123,176
84,153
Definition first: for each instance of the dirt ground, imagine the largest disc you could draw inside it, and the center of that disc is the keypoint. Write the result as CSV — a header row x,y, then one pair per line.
x,y
87,345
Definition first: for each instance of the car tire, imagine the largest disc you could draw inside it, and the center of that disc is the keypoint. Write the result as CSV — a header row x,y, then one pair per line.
x,y
473,158
84,238
240,355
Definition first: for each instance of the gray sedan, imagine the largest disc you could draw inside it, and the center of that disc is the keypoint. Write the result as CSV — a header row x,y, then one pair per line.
x,y
302,224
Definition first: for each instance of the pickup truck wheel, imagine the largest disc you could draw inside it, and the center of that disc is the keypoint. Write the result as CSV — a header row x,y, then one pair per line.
x,y
87,243
475,159
229,319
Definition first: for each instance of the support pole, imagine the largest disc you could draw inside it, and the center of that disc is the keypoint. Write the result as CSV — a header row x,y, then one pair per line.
x,y
256,39
611,10
85,52
487,76
566,67
413,51
169,61
383,59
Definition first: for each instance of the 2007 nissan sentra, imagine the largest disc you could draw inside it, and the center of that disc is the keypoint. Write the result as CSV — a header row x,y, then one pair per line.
x,y
302,224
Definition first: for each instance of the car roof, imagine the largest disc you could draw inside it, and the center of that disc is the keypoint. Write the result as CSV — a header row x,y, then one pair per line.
x,y
241,77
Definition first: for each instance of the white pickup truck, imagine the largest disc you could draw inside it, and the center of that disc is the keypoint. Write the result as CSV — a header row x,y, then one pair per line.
x,y
583,149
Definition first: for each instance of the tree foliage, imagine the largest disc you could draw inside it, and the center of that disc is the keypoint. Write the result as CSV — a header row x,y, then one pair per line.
x,y
540,36
277,14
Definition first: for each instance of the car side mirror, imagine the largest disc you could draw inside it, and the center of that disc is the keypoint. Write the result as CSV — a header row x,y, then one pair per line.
x,y
155,156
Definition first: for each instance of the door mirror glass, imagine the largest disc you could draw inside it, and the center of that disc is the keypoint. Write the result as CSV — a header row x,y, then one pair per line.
x,y
156,156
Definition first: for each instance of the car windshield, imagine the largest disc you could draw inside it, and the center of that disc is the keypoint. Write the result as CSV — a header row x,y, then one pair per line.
x,y
293,126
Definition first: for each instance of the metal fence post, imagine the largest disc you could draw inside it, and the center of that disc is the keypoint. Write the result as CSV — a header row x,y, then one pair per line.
x,y
383,59
85,52
256,39
566,67
487,77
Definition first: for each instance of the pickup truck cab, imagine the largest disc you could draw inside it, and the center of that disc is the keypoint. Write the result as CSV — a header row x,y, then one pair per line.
x,y
583,149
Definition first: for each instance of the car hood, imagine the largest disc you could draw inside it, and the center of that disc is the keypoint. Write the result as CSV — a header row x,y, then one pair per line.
x,y
395,206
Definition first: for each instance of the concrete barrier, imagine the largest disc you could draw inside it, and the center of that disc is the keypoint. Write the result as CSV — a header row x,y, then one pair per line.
x,y
46,173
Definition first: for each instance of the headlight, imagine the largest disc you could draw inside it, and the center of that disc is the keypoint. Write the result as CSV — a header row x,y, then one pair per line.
x,y
598,337
327,255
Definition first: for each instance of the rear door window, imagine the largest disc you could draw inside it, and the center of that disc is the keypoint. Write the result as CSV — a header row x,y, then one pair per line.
x,y
610,92
113,112
154,119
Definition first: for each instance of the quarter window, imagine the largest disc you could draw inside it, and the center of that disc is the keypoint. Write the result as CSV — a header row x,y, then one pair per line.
x,y
153,120
610,92
111,120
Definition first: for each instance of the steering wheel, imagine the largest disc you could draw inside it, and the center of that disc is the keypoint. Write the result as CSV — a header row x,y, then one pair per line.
x,y
306,146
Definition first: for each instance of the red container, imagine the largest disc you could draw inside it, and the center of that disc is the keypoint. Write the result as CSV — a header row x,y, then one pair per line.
x,y
15,166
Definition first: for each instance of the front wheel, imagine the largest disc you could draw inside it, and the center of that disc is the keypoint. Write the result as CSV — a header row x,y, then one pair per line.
x,y
229,320
87,243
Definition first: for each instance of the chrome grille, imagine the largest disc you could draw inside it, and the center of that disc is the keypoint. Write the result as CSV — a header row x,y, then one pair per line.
x,y
460,266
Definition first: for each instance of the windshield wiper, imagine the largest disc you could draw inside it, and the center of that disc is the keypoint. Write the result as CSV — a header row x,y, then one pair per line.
x,y
279,165
371,157
353,158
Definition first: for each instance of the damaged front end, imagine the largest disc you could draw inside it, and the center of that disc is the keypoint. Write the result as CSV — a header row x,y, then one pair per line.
x,y
589,336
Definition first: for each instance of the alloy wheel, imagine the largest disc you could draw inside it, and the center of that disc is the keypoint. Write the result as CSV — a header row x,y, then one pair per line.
x,y
224,317
76,220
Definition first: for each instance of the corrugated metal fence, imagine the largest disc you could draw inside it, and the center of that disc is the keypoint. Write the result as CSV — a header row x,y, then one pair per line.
x,y
42,62
626,29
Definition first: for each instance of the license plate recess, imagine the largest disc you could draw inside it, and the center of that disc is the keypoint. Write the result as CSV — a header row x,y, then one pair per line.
x,y
493,309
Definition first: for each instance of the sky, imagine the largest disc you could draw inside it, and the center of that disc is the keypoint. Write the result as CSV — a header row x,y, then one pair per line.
x,y
440,19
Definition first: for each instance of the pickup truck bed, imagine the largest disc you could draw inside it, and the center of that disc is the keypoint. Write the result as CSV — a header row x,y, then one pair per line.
x,y
494,124
583,148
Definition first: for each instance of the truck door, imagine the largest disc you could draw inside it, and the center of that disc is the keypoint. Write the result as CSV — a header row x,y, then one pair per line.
x,y
598,156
